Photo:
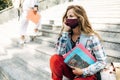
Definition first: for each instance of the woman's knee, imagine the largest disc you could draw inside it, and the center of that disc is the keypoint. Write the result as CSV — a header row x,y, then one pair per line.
x,y
55,57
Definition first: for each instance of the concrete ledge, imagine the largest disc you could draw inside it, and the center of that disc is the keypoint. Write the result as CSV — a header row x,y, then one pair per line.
x,y
7,14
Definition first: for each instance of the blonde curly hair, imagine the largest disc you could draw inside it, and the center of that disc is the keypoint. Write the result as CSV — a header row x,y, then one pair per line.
x,y
84,24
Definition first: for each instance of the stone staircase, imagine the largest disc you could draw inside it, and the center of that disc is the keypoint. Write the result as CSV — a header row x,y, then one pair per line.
x,y
32,61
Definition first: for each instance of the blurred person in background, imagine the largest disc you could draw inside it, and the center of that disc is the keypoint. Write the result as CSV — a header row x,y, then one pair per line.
x,y
27,6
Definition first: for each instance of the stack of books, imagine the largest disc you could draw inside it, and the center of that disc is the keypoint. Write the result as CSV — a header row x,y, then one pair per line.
x,y
79,56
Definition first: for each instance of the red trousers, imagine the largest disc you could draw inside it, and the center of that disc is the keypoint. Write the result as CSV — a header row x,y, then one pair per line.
x,y
59,68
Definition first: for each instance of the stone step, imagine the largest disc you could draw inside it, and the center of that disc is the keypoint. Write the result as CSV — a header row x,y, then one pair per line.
x,y
100,8
113,28
55,27
4,75
93,10
103,2
47,26
98,3
110,46
46,40
105,6
104,20
50,51
110,37
45,50
27,63
101,14
97,23
39,59
94,19
113,55
49,33
38,62
17,71
111,34
105,27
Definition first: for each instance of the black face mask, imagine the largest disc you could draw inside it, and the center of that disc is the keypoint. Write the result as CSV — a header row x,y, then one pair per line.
x,y
72,23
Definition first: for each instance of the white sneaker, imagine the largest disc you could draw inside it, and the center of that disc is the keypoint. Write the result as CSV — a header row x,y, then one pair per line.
x,y
21,43
32,38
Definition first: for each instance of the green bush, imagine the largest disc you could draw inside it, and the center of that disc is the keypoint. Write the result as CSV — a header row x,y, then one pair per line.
x,y
5,4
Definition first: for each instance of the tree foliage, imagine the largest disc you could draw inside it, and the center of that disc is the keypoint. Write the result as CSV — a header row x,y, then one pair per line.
x,y
5,4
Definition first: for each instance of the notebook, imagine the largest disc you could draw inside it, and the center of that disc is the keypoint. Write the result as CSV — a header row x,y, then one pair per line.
x,y
79,56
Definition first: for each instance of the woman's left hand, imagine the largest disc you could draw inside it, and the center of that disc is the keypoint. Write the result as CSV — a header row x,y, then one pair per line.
x,y
77,71
36,29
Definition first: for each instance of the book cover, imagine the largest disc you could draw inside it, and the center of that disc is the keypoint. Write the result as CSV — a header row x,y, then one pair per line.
x,y
79,56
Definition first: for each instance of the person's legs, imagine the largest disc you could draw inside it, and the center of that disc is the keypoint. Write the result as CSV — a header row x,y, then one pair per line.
x,y
36,27
23,30
23,27
59,68
33,36
86,78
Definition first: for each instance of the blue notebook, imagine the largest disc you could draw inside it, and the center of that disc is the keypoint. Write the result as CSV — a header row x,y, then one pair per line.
x,y
79,56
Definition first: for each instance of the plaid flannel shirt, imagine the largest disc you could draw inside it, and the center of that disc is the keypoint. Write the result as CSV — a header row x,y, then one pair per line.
x,y
92,44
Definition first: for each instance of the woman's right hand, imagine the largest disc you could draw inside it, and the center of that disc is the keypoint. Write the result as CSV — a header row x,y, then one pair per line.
x,y
76,71
66,28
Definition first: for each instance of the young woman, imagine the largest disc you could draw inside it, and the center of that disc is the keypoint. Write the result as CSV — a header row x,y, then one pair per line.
x,y
76,29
